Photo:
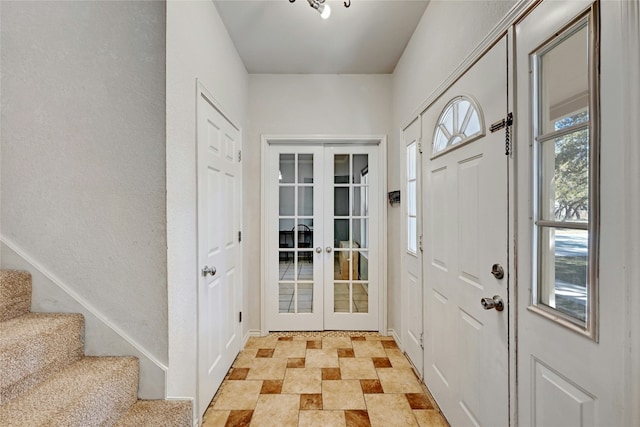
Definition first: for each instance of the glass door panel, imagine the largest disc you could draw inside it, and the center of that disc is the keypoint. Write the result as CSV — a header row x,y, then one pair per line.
x,y
298,284
350,233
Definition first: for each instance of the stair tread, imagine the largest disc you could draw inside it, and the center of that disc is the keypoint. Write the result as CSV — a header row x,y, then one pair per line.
x,y
152,413
92,391
35,346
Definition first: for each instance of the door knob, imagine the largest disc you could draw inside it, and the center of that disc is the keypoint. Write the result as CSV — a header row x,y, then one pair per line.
x,y
329,249
208,271
497,271
495,302
318,250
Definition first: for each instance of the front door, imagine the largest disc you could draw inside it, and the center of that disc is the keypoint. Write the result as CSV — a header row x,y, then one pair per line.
x,y
322,221
218,171
572,325
466,240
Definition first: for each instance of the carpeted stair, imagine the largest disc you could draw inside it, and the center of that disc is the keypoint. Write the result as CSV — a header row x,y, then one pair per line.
x,y
46,380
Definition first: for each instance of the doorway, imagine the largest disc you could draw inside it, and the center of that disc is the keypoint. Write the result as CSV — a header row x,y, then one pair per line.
x,y
323,235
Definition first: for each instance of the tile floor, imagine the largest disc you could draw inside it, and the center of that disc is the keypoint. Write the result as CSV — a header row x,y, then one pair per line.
x,y
329,379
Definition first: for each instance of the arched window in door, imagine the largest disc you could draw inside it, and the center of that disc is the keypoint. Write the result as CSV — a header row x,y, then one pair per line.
x,y
460,122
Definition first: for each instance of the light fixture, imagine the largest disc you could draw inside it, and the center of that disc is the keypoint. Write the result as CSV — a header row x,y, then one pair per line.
x,y
323,8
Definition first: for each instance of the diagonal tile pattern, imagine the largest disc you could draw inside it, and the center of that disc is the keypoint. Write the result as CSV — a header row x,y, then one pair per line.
x,y
341,379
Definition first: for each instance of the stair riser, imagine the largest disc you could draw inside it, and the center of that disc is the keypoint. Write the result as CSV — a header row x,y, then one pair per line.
x,y
15,294
30,358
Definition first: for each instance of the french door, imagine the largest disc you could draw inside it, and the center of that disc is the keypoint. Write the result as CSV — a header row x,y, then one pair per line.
x,y
321,222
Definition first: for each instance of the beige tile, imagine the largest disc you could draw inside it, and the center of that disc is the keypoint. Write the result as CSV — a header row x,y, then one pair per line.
x,y
429,418
213,418
357,368
368,349
261,342
239,418
238,395
245,358
321,419
399,380
336,342
276,410
311,402
323,358
302,380
267,369
397,358
389,410
379,338
357,418
296,348
343,394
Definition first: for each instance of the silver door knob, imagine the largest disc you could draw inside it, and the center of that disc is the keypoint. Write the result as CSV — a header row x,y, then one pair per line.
x,y
495,302
318,250
208,271
329,249
497,271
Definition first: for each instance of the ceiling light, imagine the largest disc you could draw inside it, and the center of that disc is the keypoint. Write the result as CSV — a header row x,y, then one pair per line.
x,y
323,8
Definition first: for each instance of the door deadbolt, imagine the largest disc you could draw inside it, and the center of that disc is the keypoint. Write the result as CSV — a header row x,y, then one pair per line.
x,y
208,271
495,302
497,271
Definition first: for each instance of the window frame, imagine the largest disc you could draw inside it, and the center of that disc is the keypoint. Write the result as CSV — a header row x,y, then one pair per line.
x,y
589,327
473,104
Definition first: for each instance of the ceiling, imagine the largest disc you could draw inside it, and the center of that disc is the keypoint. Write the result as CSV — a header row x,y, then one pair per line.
x,y
279,37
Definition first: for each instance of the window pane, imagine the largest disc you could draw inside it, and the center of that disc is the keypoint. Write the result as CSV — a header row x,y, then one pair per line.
x,y
341,168
341,232
411,161
360,297
412,245
360,167
563,274
286,233
286,201
287,266
305,168
564,74
341,201
360,201
305,298
565,178
285,297
341,298
305,201
361,233
287,168
411,198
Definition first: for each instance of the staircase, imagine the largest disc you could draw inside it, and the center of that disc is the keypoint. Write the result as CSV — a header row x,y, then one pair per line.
x,y
45,378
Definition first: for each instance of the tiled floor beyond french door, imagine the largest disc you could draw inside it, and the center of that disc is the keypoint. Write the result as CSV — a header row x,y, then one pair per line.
x,y
322,379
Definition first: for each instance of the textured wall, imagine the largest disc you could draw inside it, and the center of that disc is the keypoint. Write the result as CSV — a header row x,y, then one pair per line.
x,y
83,157
302,105
198,47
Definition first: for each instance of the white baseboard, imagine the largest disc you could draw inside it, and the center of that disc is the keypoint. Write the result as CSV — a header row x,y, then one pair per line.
x,y
250,333
392,332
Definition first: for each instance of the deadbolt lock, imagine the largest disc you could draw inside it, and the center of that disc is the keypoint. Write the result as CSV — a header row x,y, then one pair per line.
x,y
497,271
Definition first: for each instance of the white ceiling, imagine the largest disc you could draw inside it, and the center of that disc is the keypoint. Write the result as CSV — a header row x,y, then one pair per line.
x,y
279,37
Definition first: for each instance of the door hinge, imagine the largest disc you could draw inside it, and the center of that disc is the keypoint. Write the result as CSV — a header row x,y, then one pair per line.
x,y
422,340
239,155
420,147
420,243
240,317
239,236
505,124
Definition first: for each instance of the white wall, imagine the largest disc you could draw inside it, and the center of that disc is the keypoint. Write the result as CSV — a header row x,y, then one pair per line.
x,y
198,47
83,159
302,105
446,34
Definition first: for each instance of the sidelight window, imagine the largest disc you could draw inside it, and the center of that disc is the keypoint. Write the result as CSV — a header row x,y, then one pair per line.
x,y
566,177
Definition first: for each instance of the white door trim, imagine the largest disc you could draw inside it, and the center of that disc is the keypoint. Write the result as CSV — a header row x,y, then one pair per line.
x,y
381,141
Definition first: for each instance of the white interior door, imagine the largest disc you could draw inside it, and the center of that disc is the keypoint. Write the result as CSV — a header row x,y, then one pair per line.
x,y
571,363
412,337
321,222
219,216
465,209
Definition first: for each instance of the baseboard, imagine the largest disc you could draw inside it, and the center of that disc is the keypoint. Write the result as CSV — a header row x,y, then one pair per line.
x,y
102,337
392,332
250,333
